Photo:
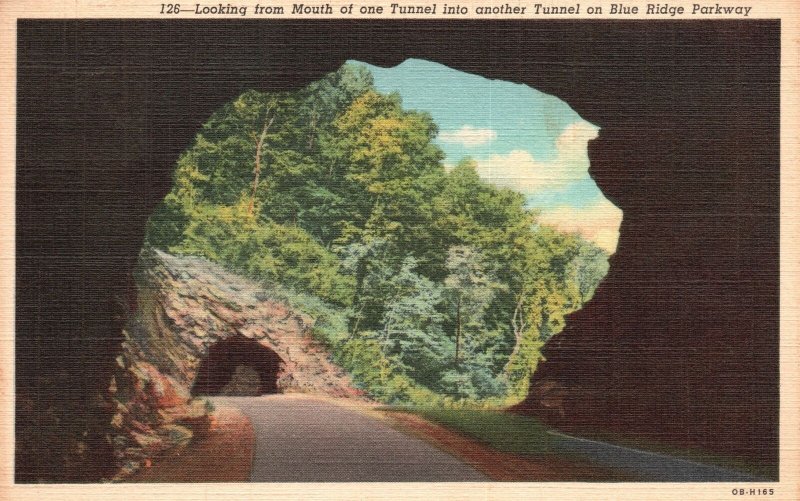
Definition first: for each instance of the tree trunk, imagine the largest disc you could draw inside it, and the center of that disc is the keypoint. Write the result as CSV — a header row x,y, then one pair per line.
x,y
386,334
518,324
257,168
358,318
458,328
312,129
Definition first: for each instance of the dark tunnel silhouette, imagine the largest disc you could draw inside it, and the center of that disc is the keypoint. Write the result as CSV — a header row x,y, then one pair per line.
x,y
238,366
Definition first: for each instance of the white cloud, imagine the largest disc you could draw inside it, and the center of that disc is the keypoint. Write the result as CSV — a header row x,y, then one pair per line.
x,y
598,223
520,171
468,136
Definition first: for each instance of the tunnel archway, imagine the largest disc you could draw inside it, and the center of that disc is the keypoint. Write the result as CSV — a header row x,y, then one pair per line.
x,y
238,367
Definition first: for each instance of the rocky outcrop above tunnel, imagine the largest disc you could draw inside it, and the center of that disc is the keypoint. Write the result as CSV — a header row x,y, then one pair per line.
x,y
186,305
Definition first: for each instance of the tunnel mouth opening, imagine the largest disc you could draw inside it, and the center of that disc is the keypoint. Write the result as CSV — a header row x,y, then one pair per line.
x,y
238,367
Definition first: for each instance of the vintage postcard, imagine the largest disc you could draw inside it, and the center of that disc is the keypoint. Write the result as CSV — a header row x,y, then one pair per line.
x,y
400,250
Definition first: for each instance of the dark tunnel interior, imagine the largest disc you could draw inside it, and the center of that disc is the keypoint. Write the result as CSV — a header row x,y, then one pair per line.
x,y
238,367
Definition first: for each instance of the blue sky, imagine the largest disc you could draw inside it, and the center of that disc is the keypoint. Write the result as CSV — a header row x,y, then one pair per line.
x,y
521,138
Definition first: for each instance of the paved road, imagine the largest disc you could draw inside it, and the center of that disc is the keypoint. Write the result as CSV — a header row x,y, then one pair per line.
x,y
302,439
648,466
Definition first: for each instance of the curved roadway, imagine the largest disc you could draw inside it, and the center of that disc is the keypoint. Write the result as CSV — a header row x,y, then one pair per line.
x,y
306,439
303,439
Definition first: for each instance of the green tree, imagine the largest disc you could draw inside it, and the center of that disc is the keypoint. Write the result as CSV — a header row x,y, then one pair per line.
x,y
589,267
382,151
266,251
470,290
412,324
438,280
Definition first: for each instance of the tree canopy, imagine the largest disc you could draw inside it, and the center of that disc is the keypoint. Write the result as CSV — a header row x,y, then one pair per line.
x,y
446,286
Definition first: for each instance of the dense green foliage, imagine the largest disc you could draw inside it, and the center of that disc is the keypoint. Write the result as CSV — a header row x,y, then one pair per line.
x,y
427,284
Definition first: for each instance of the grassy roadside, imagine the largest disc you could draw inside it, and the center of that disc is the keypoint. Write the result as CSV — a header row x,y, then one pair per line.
x,y
527,436
500,430
505,447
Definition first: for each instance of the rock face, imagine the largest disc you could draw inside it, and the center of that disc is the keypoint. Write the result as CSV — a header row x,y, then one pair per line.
x,y
188,305
152,413
199,327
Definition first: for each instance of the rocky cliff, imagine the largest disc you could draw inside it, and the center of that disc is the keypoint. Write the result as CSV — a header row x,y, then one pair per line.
x,y
188,306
